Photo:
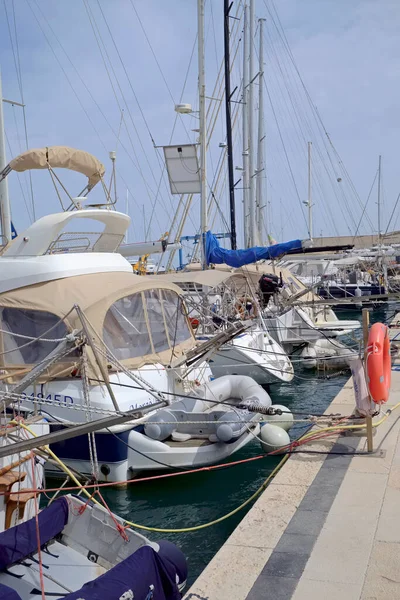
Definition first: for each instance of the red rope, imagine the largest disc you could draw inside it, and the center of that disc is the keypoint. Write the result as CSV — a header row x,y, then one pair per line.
x,y
287,448
37,530
118,526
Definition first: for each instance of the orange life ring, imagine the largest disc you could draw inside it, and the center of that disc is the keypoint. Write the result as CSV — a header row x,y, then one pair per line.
x,y
194,322
378,363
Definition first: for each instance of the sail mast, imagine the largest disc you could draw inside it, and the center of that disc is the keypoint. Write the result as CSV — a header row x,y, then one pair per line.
x,y
227,8
203,133
379,199
260,222
250,108
309,201
245,129
5,212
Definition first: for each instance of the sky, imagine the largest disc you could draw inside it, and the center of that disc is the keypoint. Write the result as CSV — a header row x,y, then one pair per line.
x,y
104,75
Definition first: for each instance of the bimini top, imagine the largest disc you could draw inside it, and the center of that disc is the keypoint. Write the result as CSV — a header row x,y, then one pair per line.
x,y
61,157
139,319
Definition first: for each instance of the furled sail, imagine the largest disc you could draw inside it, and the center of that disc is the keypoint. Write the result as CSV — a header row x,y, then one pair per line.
x,y
238,258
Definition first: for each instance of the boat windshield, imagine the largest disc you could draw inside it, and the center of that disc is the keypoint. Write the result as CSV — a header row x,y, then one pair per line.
x,y
145,323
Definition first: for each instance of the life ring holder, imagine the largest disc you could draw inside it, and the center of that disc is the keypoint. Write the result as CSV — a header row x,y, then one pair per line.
x,y
378,363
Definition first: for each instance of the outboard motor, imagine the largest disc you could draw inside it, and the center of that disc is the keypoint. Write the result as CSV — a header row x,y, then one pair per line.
x,y
269,284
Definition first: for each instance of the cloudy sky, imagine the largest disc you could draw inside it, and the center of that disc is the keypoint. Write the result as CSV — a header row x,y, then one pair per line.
x,y
105,75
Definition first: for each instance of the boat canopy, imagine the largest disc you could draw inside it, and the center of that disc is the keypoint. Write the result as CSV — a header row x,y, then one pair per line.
x,y
210,277
238,258
140,319
61,157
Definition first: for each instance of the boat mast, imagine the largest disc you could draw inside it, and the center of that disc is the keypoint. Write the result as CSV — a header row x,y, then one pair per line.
x,y
245,129
379,200
203,133
309,202
227,8
250,108
5,213
261,139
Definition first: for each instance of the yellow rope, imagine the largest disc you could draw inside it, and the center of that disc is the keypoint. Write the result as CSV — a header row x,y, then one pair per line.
x,y
232,512
157,529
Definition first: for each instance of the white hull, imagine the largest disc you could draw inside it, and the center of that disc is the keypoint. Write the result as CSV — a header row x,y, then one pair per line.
x,y
256,355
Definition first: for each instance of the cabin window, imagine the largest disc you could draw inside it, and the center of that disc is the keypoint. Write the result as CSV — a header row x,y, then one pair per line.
x,y
125,328
145,323
32,323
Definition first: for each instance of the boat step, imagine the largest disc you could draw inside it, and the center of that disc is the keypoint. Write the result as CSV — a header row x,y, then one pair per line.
x,y
16,501
9,478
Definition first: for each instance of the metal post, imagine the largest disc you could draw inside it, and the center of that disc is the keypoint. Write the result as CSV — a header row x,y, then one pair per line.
x,y
309,203
227,8
379,200
250,108
261,139
127,212
245,129
5,212
203,132
89,339
368,419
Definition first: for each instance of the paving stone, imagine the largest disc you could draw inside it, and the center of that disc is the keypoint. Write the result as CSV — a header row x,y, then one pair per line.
x,y
310,589
296,543
383,576
272,588
306,522
230,575
319,497
285,564
389,524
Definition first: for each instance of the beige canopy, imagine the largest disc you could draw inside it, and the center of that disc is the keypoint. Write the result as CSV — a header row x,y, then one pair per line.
x,y
210,277
253,273
95,294
61,157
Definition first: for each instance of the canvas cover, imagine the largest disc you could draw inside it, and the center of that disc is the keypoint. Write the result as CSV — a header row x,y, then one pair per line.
x,y
94,294
60,157
209,277
142,575
238,258
20,541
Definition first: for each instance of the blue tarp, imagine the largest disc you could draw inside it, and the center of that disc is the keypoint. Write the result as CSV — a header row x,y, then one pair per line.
x,y
142,575
238,258
20,541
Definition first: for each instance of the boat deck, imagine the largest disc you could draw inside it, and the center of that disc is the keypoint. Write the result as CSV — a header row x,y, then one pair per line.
x,y
326,528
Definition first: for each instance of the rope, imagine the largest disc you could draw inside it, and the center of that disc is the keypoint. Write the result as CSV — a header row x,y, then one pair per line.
x,y
325,432
41,577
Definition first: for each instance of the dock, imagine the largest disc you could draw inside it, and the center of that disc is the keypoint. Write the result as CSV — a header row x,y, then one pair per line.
x,y
328,525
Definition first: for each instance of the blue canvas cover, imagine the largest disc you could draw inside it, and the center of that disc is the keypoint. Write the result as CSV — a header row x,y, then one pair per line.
x,y
7,593
133,578
238,258
20,541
